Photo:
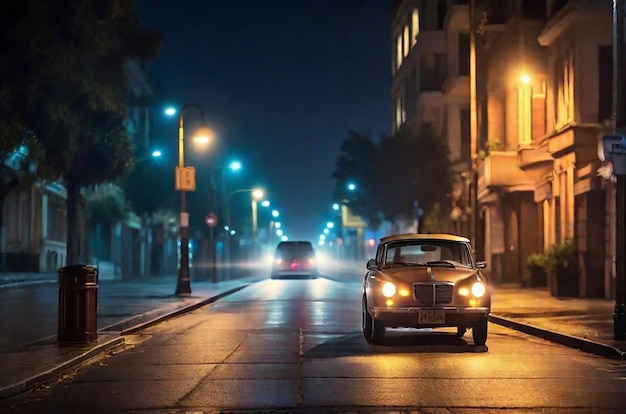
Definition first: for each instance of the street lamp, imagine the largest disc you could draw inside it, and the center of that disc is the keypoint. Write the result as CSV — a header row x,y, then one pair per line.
x,y
233,166
244,190
185,181
256,195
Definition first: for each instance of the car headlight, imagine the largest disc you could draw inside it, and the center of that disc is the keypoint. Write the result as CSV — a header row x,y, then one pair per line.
x,y
389,289
478,289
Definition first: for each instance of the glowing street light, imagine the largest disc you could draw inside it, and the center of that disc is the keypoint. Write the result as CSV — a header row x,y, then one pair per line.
x,y
185,181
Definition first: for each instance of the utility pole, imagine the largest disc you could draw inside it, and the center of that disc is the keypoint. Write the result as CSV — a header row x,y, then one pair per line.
x,y
473,129
619,115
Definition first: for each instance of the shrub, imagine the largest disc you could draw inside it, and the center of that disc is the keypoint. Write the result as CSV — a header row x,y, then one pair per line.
x,y
560,256
536,260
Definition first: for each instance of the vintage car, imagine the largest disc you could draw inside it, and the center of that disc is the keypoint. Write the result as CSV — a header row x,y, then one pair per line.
x,y
425,281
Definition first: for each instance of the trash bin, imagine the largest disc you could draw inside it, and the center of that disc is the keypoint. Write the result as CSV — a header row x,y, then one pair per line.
x,y
78,301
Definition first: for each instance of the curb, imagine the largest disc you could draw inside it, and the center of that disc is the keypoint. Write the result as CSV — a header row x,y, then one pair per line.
x,y
178,312
57,371
584,345
106,346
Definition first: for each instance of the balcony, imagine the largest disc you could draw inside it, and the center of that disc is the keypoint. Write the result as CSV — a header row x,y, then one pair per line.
x,y
500,169
457,88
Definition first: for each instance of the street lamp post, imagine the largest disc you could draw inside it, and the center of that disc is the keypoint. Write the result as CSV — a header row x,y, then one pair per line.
x,y
185,181
256,194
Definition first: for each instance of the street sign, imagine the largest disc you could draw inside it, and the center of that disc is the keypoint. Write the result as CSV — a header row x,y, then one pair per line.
x,y
185,179
211,220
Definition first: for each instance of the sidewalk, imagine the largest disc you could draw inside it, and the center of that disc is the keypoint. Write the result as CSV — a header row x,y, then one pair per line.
x,y
585,324
30,354
29,351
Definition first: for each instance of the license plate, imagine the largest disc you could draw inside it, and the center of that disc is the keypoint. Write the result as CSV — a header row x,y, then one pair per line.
x,y
431,317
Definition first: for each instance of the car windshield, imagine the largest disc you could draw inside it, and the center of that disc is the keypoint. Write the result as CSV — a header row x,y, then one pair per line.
x,y
428,253
293,250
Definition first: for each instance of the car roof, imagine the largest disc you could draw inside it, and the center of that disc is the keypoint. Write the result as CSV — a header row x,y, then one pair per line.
x,y
424,236
298,243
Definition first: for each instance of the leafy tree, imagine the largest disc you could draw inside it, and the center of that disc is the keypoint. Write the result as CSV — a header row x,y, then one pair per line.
x,y
416,168
149,186
395,174
64,83
356,164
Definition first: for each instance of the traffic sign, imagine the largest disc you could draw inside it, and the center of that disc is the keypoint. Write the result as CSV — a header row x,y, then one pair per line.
x,y
211,220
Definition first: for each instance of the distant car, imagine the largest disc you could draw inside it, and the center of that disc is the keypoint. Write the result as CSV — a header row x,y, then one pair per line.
x,y
295,259
425,281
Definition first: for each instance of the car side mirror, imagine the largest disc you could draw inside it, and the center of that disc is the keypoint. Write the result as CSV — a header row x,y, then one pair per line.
x,y
371,264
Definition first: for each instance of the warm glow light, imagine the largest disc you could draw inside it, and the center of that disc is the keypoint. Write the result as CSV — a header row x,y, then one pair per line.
x,y
258,193
478,289
389,289
404,292
389,302
525,79
203,135
463,291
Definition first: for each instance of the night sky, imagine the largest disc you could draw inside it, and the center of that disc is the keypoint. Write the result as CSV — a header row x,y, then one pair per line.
x,y
281,82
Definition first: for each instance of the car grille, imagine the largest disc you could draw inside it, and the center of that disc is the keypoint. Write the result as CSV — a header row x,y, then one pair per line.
x,y
431,294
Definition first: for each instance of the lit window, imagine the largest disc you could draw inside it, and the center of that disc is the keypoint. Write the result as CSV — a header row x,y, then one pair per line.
x,y
406,41
415,26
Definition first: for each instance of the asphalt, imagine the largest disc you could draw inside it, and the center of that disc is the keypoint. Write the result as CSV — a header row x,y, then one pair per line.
x,y
31,354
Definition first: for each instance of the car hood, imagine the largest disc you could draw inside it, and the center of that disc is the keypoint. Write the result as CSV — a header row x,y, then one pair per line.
x,y
423,274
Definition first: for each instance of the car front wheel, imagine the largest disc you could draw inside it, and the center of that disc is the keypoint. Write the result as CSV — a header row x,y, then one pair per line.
x,y
378,331
479,332
367,322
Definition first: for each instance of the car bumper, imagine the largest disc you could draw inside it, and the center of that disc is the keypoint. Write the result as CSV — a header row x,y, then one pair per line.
x,y
408,317
277,274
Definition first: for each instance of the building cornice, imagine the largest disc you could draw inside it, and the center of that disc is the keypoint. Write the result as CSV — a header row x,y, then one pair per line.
x,y
573,12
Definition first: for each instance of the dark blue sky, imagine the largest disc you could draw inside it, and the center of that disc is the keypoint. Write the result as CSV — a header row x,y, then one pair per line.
x,y
281,82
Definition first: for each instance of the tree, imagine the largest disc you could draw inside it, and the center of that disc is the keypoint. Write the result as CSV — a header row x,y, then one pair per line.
x,y
355,164
394,175
147,199
416,168
64,84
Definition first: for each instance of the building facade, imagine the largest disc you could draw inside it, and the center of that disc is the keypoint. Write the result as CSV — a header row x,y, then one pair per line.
x,y
542,98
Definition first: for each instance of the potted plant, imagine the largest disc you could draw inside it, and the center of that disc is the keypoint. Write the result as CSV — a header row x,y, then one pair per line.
x,y
561,264
536,263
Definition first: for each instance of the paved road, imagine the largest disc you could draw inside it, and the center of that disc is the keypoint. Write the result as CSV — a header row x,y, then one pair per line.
x,y
296,346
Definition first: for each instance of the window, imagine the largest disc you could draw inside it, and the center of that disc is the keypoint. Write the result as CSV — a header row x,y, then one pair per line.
x,y
400,111
406,41
563,89
464,54
415,26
